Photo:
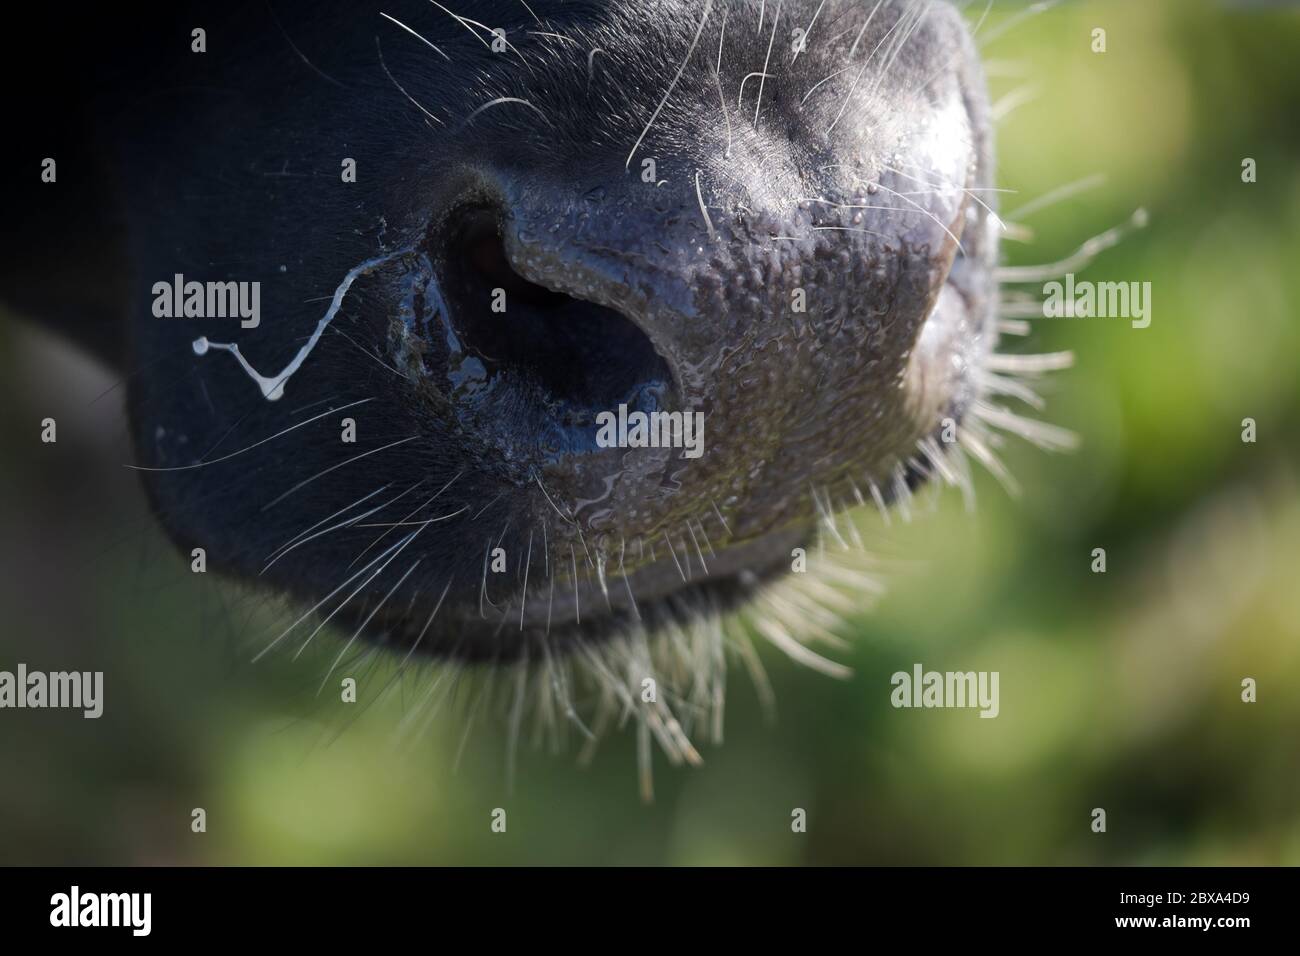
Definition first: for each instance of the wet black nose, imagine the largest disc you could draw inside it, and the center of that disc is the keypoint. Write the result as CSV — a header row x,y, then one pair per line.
x,y
790,327
787,277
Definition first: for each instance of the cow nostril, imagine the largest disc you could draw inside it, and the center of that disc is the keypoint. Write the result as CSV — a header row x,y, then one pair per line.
x,y
555,360
476,233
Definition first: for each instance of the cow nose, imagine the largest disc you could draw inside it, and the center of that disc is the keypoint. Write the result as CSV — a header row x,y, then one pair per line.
x,y
791,332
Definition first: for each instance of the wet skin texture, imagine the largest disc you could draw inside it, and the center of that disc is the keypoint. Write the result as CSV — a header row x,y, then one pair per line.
x,y
843,172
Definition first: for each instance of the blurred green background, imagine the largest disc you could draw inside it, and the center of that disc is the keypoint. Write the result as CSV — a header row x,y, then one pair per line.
x,y
1118,690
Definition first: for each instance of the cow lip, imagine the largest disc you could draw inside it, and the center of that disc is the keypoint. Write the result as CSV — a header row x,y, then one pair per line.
x,y
554,620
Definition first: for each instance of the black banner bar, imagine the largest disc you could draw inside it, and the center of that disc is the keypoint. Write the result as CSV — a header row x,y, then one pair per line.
x,y
213,905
